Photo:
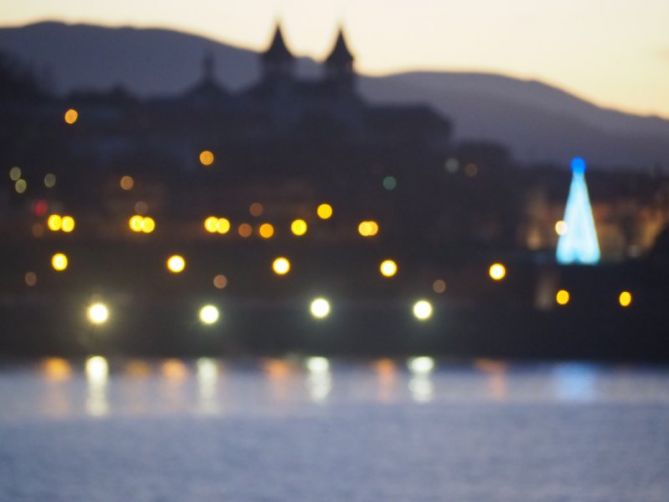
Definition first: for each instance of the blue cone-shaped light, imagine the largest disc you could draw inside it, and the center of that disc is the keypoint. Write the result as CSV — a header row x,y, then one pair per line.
x,y
579,243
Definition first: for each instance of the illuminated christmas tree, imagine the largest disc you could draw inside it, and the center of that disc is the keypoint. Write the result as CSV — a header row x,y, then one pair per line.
x,y
578,243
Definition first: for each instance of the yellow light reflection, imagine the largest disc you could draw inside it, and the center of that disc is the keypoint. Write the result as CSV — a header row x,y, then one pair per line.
x,y
298,227
266,230
71,116
497,271
59,262
388,268
176,264
206,158
562,297
173,369
281,265
324,211
625,299
54,222
56,369
276,369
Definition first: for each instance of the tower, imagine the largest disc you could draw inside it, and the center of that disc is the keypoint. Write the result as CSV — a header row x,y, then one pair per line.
x,y
339,64
578,244
277,61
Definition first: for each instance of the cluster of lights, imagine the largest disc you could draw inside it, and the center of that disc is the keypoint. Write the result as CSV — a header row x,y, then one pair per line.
x,y
216,225
20,185
58,223
368,228
142,224
563,297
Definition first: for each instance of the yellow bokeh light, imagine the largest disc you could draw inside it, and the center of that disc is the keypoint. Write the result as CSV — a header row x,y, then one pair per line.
x,y
176,264
127,183
49,180
497,271
388,268
15,173
71,116
266,230
148,224
625,299
21,185
561,227
59,262
135,223
56,368
210,224
206,158
97,313
68,224
222,225
368,228
324,211
281,265
54,222
562,297
298,227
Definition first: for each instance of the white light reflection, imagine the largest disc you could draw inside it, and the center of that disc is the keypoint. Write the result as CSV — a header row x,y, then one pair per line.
x,y
319,380
97,375
575,382
420,383
207,383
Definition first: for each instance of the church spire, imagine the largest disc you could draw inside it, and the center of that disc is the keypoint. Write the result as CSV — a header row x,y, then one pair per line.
x,y
277,60
339,63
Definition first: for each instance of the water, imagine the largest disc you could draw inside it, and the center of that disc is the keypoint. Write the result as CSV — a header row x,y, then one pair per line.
x,y
330,430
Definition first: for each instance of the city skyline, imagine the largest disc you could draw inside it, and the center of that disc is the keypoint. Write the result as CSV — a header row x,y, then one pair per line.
x,y
618,57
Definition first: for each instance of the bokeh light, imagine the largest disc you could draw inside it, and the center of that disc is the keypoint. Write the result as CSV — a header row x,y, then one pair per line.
x,y
135,223
561,227
421,365
148,224
222,225
281,265
324,211
49,180
176,264
388,268
206,158
54,222
422,310
30,278
439,286
97,313
67,224
389,183
562,297
266,230
298,227
256,209
368,228
71,116
127,183
245,230
220,281
15,173
625,299
59,262
21,185
210,224
497,271
319,308
209,314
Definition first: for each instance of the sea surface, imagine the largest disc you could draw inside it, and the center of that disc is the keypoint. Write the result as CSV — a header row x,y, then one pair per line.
x,y
313,429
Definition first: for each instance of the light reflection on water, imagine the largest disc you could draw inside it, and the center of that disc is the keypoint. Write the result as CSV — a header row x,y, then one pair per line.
x,y
98,387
